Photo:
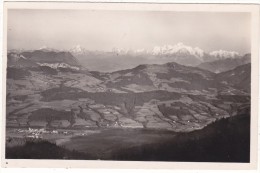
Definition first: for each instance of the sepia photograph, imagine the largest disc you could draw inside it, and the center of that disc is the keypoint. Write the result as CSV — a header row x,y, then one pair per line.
x,y
137,82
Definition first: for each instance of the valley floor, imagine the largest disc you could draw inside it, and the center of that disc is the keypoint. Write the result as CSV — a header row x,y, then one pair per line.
x,y
226,140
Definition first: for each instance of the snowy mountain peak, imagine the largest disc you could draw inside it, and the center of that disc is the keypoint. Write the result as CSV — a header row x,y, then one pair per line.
x,y
78,49
43,47
223,54
48,49
178,48
123,51
59,65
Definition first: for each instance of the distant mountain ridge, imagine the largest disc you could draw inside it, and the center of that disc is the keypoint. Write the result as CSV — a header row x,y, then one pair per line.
x,y
225,64
177,78
43,57
238,77
169,76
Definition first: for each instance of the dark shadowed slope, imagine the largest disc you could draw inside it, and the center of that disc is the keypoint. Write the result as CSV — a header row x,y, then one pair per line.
x,y
42,150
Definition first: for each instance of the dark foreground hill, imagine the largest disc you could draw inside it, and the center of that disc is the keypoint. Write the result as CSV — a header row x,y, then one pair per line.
x,y
227,140
41,150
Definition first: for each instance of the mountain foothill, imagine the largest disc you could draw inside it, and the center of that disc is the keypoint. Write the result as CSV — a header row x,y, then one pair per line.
x,y
178,88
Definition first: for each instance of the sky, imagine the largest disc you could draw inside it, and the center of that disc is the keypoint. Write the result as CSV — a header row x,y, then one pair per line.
x,y
105,30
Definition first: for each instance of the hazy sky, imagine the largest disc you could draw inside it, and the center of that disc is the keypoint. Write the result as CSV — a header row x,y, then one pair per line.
x,y
104,30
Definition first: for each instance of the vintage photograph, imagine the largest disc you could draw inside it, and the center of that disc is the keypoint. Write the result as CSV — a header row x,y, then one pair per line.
x,y
128,85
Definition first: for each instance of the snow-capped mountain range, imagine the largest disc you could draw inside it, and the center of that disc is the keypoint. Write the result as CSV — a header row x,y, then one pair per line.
x,y
222,54
119,59
179,49
180,53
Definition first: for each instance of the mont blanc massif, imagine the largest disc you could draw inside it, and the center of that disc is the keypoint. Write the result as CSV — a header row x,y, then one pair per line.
x,y
170,103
